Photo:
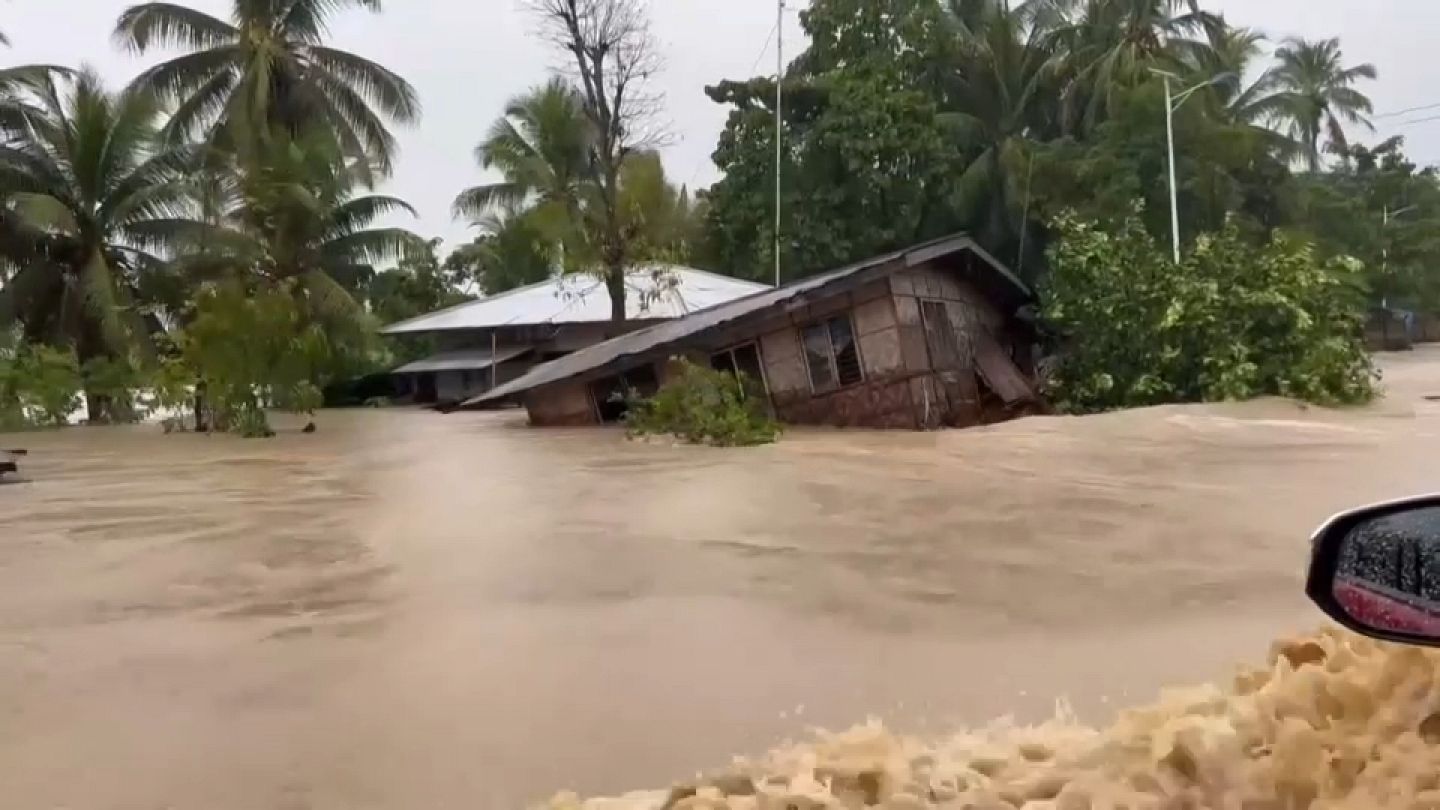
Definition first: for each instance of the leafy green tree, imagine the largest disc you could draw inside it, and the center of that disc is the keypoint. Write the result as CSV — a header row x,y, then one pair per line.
x,y
1315,94
268,67
869,159
1232,321
416,285
252,347
92,195
1382,209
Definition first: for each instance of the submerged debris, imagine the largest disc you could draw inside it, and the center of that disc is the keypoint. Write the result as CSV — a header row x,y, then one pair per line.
x,y
1332,722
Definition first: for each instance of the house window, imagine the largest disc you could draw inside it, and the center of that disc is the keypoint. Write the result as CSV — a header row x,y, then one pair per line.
x,y
832,355
742,361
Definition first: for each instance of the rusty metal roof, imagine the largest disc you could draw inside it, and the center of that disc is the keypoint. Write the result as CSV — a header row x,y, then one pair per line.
x,y
646,341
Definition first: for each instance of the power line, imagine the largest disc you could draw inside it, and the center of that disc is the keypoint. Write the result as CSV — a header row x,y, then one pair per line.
x,y
1398,113
764,49
1420,120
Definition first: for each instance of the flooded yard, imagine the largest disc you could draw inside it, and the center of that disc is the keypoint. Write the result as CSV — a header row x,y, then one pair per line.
x,y
410,610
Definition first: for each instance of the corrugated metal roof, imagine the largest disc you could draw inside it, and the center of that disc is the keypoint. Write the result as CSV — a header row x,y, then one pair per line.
x,y
461,360
660,335
654,292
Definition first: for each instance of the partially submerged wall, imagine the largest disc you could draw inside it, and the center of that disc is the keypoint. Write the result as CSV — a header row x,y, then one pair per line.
x,y
882,400
564,404
945,393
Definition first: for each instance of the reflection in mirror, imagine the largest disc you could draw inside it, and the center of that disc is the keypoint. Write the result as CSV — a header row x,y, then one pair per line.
x,y
1388,572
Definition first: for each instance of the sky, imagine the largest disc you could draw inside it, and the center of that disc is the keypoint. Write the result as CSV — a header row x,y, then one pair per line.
x,y
468,57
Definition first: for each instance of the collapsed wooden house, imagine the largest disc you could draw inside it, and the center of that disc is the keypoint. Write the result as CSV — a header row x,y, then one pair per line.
x,y
921,338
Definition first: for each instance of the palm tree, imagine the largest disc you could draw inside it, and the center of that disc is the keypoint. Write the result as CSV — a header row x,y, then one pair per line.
x,y
542,148
1226,59
1003,91
512,251
301,218
92,196
1315,94
1112,44
269,64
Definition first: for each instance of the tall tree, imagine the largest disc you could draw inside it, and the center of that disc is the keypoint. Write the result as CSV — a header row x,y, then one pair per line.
x,y
514,249
1316,96
869,162
269,64
1112,44
614,58
542,148
94,200
299,215
1002,93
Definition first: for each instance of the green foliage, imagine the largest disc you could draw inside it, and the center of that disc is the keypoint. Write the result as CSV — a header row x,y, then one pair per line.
x,y
1379,207
46,384
251,350
703,406
870,162
110,384
1232,321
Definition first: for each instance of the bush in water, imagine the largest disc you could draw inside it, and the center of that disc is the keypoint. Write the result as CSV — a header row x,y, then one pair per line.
x,y
704,406
252,349
1233,320
46,384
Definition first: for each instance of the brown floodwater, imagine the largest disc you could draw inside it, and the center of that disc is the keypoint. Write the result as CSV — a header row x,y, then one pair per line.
x,y
409,610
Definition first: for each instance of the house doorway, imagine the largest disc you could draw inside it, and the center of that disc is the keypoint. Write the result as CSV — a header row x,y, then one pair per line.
x,y
953,366
426,391
612,394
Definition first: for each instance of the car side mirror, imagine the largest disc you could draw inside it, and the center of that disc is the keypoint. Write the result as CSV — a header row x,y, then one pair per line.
x,y
1376,570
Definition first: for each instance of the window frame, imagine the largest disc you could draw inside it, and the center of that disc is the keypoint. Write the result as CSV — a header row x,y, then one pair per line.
x,y
849,317
759,358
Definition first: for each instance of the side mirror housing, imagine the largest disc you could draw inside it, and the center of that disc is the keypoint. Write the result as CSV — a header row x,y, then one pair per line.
x,y
1376,570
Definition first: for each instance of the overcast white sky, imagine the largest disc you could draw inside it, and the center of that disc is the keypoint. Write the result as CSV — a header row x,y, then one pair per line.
x,y
466,57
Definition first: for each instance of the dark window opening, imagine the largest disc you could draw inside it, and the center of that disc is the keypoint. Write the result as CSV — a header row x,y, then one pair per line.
x,y
612,394
744,362
832,355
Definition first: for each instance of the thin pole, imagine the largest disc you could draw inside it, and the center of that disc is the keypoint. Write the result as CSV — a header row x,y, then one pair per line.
x,y
494,355
779,121
1174,194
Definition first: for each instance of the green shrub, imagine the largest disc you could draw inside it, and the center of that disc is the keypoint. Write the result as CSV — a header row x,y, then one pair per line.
x,y
1232,321
251,349
110,385
704,406
48,384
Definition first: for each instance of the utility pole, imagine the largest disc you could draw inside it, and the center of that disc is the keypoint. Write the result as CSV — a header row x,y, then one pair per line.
x,y
1385,216
1172,104
1174,193
779,121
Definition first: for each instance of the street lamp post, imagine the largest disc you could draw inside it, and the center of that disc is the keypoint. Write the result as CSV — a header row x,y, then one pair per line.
x,y
1172,104
1385,216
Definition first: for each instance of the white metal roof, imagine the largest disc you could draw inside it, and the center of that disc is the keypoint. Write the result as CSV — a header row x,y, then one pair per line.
x,y
653,292
461,360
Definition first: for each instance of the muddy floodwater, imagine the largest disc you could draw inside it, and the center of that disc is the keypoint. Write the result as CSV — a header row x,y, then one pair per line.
x,y
409,610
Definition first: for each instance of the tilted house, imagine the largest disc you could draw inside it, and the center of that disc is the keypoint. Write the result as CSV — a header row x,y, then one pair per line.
x,y
929,336
493,340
